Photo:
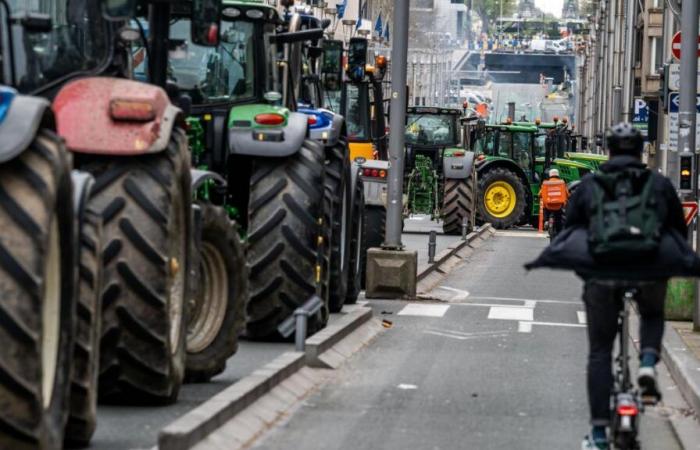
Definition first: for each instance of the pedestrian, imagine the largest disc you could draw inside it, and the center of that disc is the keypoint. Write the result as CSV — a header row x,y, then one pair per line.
x,y
554,195
624,230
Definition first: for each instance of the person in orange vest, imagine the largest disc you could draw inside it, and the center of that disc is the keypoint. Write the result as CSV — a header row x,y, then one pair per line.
x,y
554,195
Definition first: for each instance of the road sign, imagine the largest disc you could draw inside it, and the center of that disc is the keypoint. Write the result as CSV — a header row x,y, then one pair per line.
x,y
690,210
640,120
673,107
674,77
676,46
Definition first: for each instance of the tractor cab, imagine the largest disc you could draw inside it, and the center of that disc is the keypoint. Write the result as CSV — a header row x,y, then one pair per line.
x,y
362,103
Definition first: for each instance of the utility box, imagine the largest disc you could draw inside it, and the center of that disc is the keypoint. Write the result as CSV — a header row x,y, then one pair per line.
x,y
391,274
679,299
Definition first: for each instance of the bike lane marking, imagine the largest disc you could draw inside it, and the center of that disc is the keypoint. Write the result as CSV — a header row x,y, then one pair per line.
x,y
417,309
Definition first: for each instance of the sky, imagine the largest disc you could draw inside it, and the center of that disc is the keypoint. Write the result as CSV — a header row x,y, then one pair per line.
x,y
550,6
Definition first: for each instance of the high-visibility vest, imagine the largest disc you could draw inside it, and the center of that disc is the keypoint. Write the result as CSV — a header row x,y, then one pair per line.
x,y
554,194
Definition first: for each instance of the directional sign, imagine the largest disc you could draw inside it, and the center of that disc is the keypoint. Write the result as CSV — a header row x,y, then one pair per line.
x,y
690,210
674,77
673,107
676,46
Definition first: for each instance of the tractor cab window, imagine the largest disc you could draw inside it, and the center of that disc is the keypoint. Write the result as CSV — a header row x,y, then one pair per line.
x,y
331,100
356,112
430,129
213,75
521,149
540,146
76,43
486,143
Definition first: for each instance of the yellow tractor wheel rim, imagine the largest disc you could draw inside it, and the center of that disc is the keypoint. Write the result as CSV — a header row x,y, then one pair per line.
x,y
500,199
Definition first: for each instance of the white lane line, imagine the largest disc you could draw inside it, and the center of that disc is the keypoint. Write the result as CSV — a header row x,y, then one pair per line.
x,y
461,294
514,299
522,234
471,334
418,309
526,327
465,338
408,387
510,313
581,317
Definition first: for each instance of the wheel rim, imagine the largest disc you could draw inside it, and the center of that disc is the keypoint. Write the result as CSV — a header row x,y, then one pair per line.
x,y
500,199
177,272
51,315
343,231
210,306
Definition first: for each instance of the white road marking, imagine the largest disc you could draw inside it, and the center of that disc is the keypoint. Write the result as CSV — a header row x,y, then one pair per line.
x,y
530,303
465,338
514,299
581,317
510,313
362,302
526,327
472,334
522,234
407,386
460,294
418,309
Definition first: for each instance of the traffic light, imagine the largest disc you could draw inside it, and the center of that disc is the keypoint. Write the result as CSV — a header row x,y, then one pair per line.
x,y
685,183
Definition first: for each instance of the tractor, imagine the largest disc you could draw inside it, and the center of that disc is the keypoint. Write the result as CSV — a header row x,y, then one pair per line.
x,y
512,161
440,178
362,103
245,128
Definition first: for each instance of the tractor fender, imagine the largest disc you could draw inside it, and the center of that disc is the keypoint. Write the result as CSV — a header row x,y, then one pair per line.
x,y
458,167
21,124
270,141
572,186
199,177
510,165
86,112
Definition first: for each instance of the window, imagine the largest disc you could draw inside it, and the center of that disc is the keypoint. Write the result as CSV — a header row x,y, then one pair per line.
x,y
213,75
425,129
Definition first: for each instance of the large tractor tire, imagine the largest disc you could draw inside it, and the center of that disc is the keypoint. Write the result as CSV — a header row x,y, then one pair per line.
x,y
458,203
375,226
216,315
285,213
145,204
502,200
358,244
82,418
37,301
338,185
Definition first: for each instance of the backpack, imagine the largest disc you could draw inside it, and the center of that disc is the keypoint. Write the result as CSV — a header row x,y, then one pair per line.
x,y
624,225
554,195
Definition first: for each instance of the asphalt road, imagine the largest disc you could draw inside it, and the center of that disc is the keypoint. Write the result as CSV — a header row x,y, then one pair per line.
x,y
500,365
415,237
129,427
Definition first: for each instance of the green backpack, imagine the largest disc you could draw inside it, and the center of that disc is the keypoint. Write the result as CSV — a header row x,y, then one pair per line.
x,y
624,225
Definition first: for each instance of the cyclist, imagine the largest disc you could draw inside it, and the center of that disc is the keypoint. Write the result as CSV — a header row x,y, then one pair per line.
x,y
603,297
554,196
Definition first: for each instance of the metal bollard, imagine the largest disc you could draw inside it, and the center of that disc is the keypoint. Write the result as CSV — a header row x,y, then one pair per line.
x,y
301,317
432,243
465,225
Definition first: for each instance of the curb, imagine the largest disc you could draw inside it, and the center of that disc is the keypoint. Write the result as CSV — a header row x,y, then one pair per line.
x,y
483,233
683,366
199,422
322,341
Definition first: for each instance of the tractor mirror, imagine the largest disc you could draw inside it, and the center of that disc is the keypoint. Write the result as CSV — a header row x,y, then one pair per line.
x,y
332,57
357,58
206,22
118,10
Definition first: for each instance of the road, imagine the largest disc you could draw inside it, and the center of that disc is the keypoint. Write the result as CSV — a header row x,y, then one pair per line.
x,y
415,236
500,365
131,427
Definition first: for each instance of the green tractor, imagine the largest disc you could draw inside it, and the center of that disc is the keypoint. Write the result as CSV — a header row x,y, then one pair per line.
x,y
244,126
511,162
440,175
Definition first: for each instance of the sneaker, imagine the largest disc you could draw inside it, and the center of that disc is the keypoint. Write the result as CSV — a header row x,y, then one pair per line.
x,y
646,379
590,444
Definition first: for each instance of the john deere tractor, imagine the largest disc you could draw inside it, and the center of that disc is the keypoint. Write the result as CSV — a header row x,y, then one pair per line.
x,y
245,128
512,161
440,176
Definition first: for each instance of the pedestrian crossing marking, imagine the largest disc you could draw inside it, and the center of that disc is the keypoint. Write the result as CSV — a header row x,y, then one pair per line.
x,y
581,317
526,327
511,313
418,309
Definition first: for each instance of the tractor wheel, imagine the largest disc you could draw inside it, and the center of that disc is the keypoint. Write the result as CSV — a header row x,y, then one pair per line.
x,y
287,204
338,185
358,244
458,203
501,198
37,301
375,226
145,204
82,418
217,312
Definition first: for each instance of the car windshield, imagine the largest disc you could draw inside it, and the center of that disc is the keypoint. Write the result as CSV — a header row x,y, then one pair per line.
x,y
430,129
77,42
213,74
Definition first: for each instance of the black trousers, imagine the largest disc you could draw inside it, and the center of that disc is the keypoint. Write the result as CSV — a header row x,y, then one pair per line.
x,y
603,301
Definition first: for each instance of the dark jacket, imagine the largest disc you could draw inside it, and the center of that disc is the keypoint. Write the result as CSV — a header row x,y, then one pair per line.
x,y
569,251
